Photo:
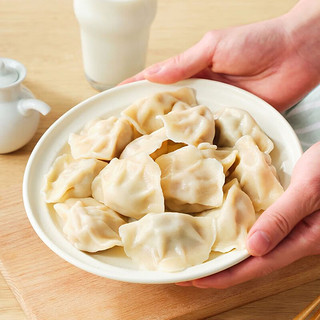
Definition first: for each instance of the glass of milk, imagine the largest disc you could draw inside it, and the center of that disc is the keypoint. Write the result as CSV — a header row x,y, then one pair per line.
x,y
114,38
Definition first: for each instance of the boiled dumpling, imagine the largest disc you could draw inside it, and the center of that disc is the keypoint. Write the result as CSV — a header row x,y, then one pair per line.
x,y
233,219
101,139
256,174
191,183
89,225
70,178
168,241
130,186
142,114
185,95
233,123
191,126
153,144
226,156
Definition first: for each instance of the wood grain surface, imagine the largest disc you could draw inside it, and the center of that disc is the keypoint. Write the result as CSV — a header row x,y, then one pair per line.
x,y
44,36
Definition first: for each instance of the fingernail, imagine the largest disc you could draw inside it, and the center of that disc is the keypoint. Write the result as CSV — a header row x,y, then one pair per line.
x,y
199,284
258,243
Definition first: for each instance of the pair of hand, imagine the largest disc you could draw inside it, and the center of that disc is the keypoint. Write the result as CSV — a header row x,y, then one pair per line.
x,y
272,60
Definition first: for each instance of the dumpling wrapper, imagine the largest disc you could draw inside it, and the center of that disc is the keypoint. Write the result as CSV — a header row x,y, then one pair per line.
x,y
130,186
70,178
101,139
191,126
233,219
190,182
168,242
226,156
143,113
256,174
233,123
154,144
89,225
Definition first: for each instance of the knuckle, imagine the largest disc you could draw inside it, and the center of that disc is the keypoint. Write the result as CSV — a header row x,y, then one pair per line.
x,y
177,59
314,192
209,36
179,62
311,238
266,270
279,222
306,185
311,192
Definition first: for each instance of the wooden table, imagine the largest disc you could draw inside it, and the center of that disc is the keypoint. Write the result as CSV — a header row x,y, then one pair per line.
x,y
44,36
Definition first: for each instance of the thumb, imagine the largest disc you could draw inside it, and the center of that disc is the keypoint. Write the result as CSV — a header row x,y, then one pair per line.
x,y
184,65
300,200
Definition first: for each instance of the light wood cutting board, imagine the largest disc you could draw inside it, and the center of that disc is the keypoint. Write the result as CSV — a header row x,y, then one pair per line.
x,y
49,288
46,286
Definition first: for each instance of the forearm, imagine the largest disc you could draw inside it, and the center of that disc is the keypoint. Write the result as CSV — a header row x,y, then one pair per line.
x,y
302,23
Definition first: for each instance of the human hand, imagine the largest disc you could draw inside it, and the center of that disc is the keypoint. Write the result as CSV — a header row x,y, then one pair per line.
x,y
269,58
287,231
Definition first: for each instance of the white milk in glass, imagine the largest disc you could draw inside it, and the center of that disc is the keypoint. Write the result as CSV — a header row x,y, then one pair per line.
x,y
114,38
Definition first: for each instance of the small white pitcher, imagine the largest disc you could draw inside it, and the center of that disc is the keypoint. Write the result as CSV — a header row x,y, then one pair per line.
x,y
19,111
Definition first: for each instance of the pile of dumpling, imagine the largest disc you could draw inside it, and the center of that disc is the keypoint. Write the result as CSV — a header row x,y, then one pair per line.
x,y
169,180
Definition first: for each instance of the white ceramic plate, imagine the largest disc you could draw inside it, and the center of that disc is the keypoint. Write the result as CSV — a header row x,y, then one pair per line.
x,y
113,263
